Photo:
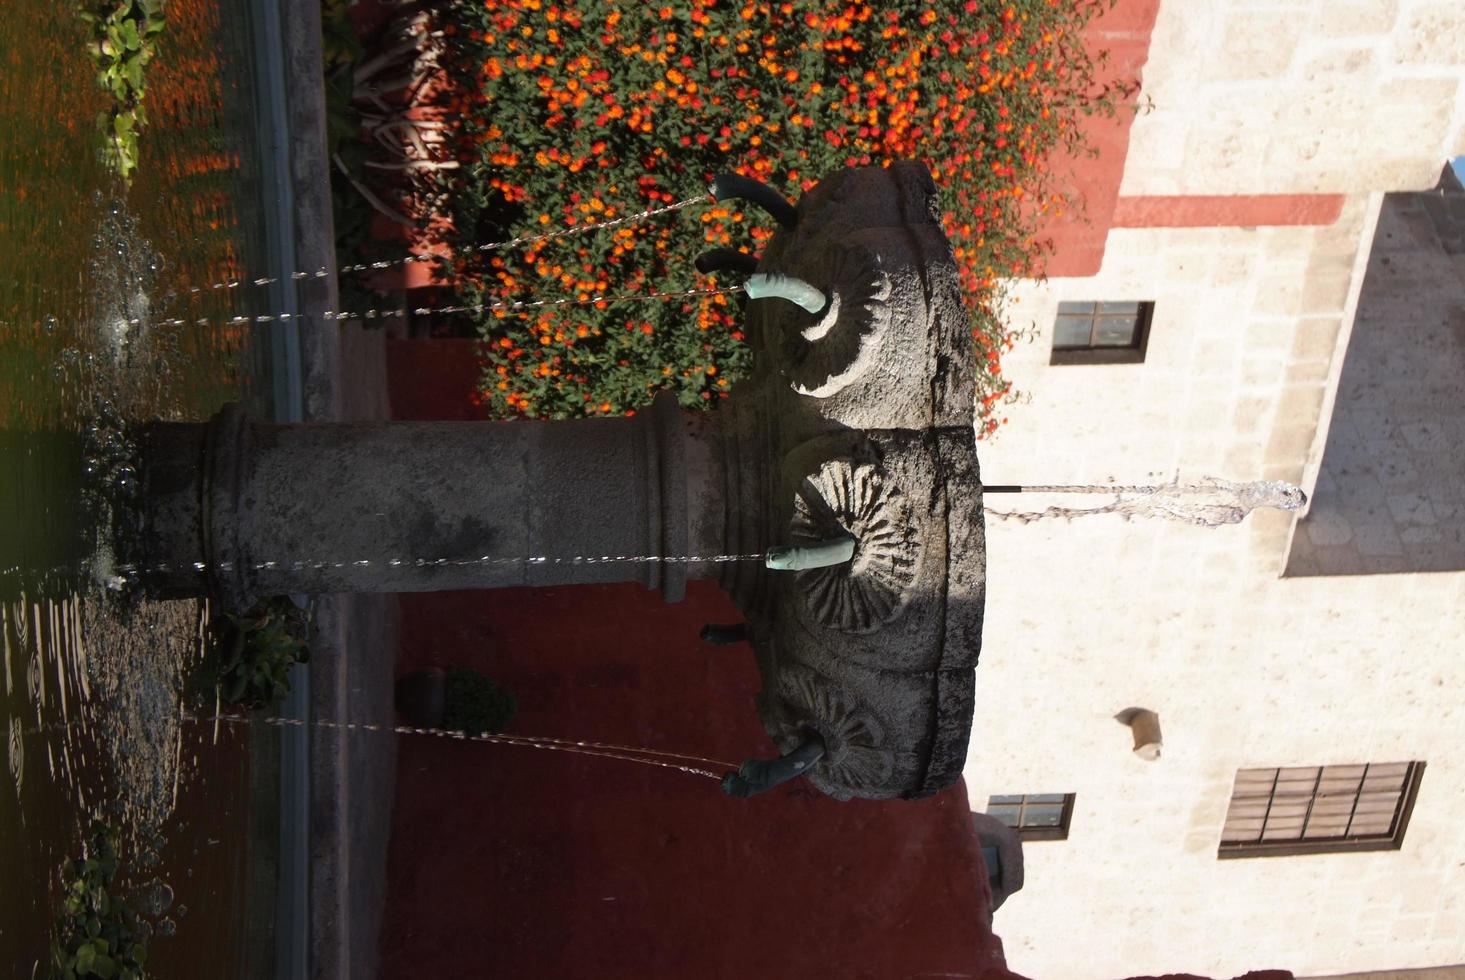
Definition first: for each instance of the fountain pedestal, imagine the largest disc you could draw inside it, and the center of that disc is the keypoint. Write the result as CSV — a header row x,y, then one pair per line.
x,y
856,423
240,508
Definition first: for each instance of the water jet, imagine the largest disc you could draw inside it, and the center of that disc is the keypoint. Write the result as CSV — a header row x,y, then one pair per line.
x,y
848,454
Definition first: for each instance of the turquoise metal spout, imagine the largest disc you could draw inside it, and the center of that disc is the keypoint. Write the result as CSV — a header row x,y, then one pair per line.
x,y
817,554
762,285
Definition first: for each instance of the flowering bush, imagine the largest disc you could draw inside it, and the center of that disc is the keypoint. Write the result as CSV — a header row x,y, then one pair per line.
x,y
571,113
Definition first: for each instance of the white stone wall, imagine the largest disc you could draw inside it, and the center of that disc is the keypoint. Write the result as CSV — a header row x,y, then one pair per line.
x,y
1248,326
1456,972
1300,96
1246,669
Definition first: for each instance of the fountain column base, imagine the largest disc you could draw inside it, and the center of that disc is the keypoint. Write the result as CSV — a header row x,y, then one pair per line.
x,y
238,508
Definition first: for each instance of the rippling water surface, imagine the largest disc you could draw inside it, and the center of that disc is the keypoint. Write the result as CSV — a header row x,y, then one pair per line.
x,y
93,697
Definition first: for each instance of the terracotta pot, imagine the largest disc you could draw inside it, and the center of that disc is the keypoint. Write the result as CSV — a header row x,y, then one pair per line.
x,y
422,696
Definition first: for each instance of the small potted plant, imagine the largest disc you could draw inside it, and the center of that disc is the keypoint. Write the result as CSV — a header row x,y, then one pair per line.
x,y
256,650
458,700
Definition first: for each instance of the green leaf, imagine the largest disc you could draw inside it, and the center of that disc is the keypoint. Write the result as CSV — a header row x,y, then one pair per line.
x,y
104,967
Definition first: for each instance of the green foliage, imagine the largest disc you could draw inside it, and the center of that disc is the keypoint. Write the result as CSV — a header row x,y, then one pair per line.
x,y
124,39
256,649
98,933
475,704
572,113
341,51
340,48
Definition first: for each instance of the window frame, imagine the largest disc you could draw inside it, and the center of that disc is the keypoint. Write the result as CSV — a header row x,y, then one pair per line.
x,y
1026,834
1293,847
1134,353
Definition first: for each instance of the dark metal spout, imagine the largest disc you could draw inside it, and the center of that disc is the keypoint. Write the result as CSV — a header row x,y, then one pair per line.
x,y
760,775
727,259
725,186
725,634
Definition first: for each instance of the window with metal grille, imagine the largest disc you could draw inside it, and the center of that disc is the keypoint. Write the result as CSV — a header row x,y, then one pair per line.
x,y
1101,333
1038,816
1311,809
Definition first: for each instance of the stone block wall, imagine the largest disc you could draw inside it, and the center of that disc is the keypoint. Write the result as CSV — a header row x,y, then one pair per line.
x,y
1244,670
1246,667
1299,96
1247,327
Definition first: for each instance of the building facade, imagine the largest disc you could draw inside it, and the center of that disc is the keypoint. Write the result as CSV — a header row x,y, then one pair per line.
x,y
1271,286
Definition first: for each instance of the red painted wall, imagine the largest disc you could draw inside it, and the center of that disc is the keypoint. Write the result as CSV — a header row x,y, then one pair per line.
x,y
1226,210
1078,236
525,863
434,380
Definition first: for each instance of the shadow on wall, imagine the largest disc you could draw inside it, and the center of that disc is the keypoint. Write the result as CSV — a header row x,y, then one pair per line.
x,y
1391,493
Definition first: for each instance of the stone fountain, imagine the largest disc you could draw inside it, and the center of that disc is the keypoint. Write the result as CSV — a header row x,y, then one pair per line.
x,y
855,427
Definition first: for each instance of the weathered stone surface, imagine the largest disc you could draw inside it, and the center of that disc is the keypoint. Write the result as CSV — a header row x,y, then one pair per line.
x,y
868,408
414,507
894,353
856,423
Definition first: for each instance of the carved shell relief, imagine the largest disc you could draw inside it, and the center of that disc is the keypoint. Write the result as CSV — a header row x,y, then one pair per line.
x,y
856,757
828,355
862,595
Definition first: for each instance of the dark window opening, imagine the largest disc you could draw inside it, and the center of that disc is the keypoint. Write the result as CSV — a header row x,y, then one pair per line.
x,y
1101,333
1040,816
1316,809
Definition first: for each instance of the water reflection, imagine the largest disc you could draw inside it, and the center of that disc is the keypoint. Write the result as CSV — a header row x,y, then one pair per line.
x,y
94,680
42,540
